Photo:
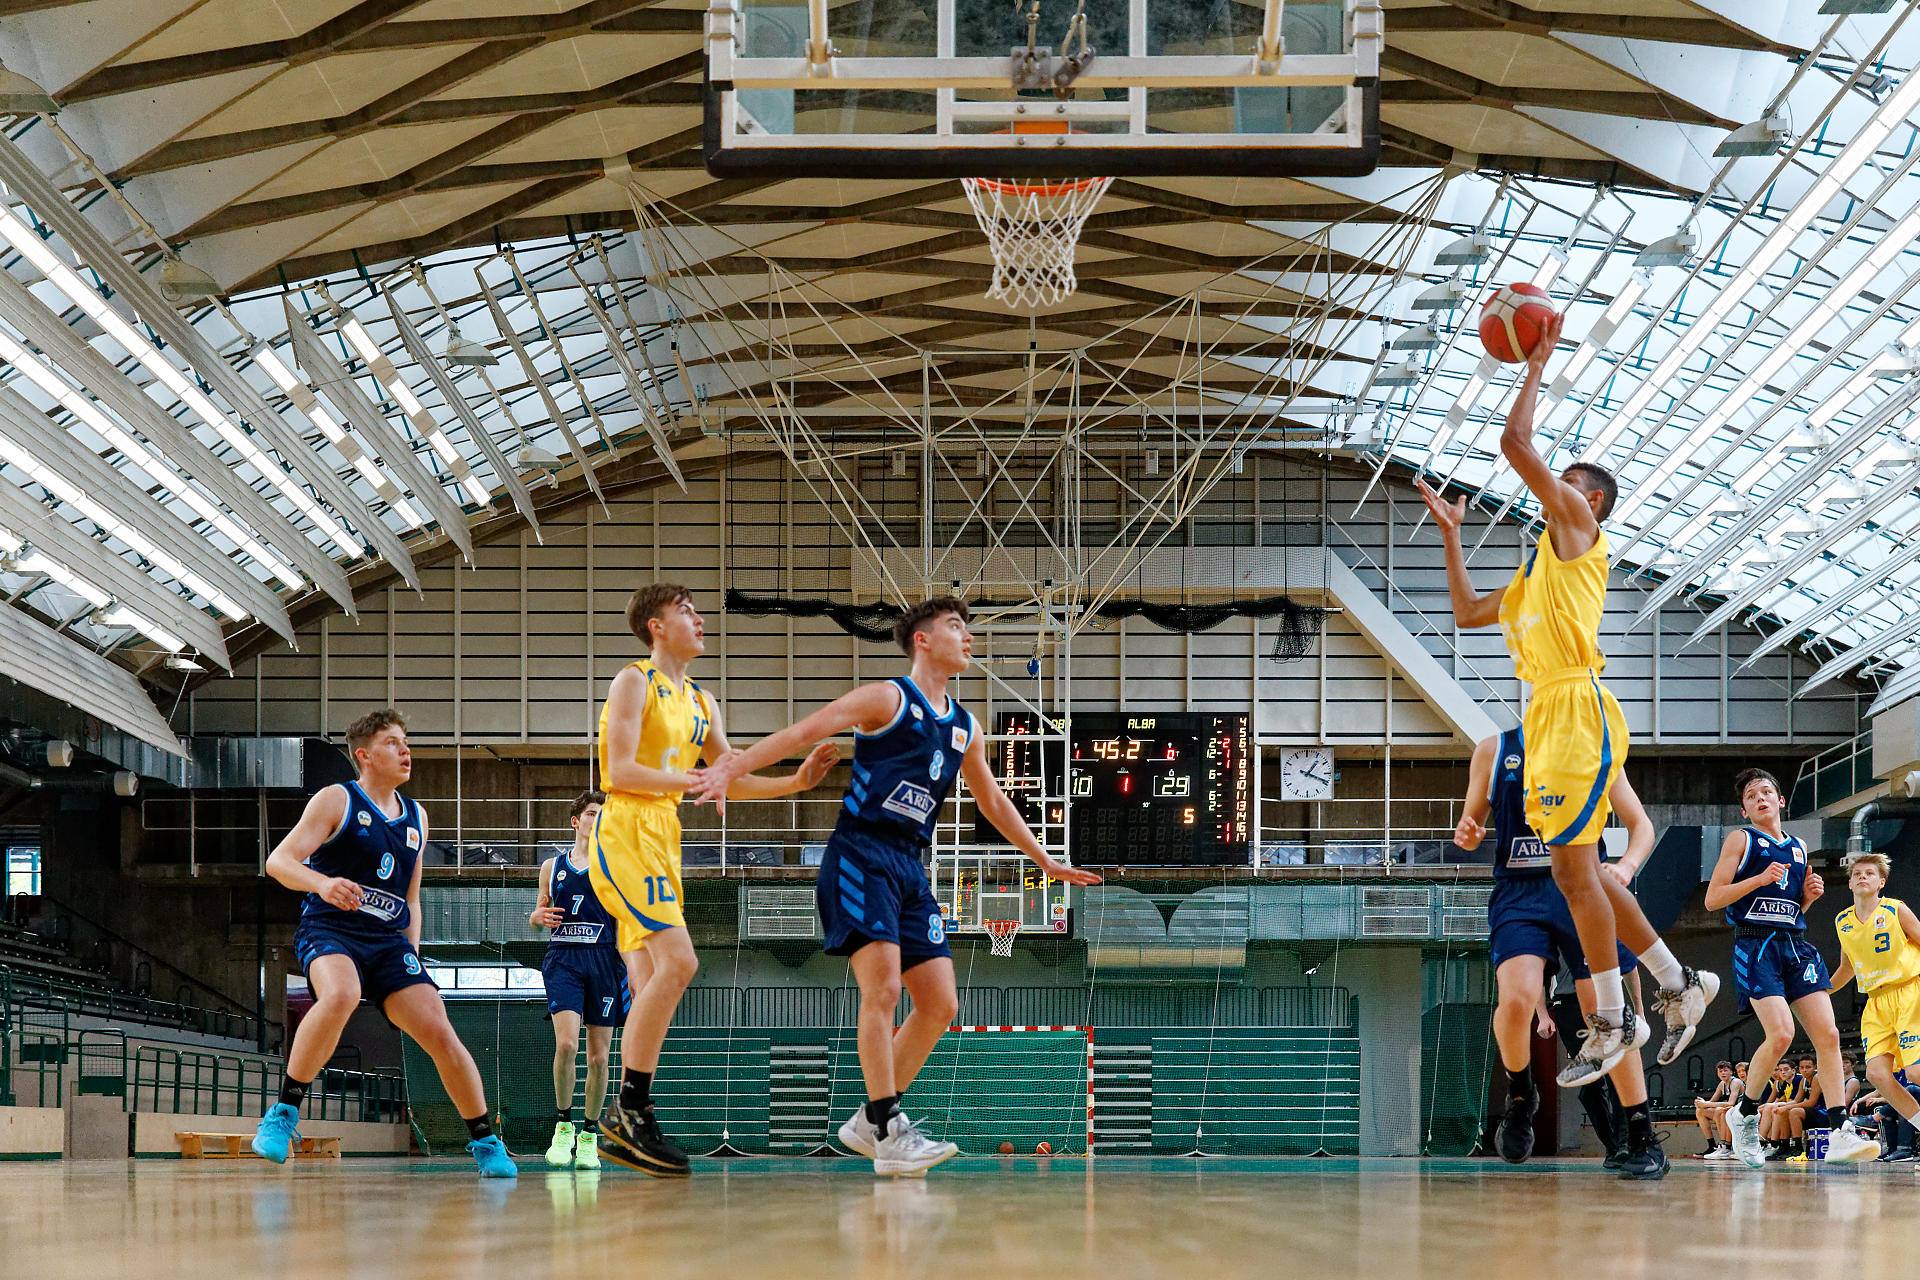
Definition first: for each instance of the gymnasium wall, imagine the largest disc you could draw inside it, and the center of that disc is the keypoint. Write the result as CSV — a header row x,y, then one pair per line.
x,y
519,648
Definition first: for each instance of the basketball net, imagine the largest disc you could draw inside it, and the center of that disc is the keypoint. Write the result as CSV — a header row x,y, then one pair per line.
x,y
1033,229
1002,934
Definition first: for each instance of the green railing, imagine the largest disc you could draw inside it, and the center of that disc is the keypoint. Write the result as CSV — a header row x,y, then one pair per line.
x,y
203,1082
101,1053
1109,1005
1840,771
31,1065
19,988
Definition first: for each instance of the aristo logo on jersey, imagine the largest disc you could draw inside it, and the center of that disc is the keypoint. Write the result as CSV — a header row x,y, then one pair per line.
x,y
1773,911
380,904
1528,851
578,931
910,800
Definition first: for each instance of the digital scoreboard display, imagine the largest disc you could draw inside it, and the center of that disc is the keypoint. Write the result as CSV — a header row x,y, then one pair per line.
x,y
1171,788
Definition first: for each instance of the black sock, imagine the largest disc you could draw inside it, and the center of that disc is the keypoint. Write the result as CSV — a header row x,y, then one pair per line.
x,y
563,1115
1748,1106
881,1110
1639,1126
293,1092
480,1126
1520,1083
589,1125
636,1089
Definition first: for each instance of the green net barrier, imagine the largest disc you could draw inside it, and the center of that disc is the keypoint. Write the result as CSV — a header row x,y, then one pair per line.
x,y
983,1087
1261,1090
1456,1043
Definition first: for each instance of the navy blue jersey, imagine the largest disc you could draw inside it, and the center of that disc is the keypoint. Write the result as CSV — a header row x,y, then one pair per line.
x,y
903,772
1517,851
1772,906
587,923
377,853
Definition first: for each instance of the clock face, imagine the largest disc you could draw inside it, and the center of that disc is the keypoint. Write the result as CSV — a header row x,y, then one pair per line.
x,y
1306,773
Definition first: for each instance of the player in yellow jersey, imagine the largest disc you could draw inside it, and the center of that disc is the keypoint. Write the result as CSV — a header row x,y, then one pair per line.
x,y
655,729
1880,949
1575,734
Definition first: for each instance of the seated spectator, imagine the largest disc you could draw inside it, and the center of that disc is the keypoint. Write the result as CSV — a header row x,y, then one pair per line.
x,y
1852,1084
1898,1141
1777,1093
1724,1133
1706,1111
1790,1111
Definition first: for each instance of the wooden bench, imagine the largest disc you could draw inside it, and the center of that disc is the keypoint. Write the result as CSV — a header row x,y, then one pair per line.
x,y
238,1146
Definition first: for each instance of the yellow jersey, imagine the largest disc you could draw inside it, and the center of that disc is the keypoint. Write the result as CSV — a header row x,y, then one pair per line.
x,y
673,729
1551,612
1878,949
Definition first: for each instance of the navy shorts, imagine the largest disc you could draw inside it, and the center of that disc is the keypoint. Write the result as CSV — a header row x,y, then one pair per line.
x,y
1528,916
874,889
588,980
386,961
1776,963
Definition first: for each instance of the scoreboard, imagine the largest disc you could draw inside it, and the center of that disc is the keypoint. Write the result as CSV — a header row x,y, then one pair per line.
x,y
1171,788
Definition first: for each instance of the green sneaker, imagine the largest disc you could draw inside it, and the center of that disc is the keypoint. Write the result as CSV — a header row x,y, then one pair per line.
x,y
560,1153
587,1154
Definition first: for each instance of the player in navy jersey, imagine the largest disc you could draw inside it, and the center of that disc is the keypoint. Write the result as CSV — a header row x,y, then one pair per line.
x,y
1531,927
355,854
586,983
1765,885
911,738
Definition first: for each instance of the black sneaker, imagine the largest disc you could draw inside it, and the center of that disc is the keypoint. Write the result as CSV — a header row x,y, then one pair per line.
x,y
1649,1165
1781,1151
634,1139
1616,1160
1900,1155
1514,1137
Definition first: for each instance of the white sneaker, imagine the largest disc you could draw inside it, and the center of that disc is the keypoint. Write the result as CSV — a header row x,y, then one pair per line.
x,y
858,1134
1602,1046
906,1152
1845,1146
1746,1138
1718,1153
1681,1011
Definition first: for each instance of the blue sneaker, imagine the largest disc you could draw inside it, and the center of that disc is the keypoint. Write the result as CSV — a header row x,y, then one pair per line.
x,y
279,1130
491,1155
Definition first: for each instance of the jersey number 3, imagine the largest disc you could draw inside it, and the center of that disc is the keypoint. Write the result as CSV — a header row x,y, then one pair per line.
x,y
1882,943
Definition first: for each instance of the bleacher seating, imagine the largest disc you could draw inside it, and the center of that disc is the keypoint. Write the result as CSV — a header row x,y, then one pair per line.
x,y
37,973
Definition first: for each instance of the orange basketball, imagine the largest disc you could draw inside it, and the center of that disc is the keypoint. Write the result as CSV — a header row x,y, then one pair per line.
x,y
1006,1148
1511,319
1044,1149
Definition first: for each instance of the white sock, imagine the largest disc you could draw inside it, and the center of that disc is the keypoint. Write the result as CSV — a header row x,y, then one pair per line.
x,y
1666,970
1609,997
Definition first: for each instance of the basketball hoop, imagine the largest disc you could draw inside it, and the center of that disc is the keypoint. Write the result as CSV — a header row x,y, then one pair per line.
x,y
1002,932
1033,229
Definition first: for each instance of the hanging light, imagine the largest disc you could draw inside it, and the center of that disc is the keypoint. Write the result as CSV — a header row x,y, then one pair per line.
x,y
1421,337
1669,251
464,353
20,96
1759,138
181,282
1441,297
1467,251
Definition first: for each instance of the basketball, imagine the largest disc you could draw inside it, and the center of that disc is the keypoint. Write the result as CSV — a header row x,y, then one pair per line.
x,y
1006,1148
1043,1149
1511,320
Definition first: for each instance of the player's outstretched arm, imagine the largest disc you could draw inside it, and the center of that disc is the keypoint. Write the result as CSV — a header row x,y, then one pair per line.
x,y
867,708
288,861
1568,514
752,786
1470,607
1633,815
1472,827
1005,816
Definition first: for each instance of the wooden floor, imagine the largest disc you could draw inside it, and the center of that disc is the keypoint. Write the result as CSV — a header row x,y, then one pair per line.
x,y
1119,1219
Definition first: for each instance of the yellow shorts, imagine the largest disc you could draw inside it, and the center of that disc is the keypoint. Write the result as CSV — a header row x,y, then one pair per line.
x,y
1890,1024
1576,740
635,869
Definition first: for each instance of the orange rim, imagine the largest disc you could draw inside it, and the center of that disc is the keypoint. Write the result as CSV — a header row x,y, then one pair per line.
x,y
1045,189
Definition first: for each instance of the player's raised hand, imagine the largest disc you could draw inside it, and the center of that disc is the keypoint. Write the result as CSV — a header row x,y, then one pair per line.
x,y
818,763
1543,349
342,893
1776,873
1469,832
549,917
1054,869
1447,516
1816,883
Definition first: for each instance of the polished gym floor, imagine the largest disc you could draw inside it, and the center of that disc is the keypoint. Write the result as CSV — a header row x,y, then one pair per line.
x,y
1119,1217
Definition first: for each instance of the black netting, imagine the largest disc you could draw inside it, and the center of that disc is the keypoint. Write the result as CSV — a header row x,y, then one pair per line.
x,y
1294,638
